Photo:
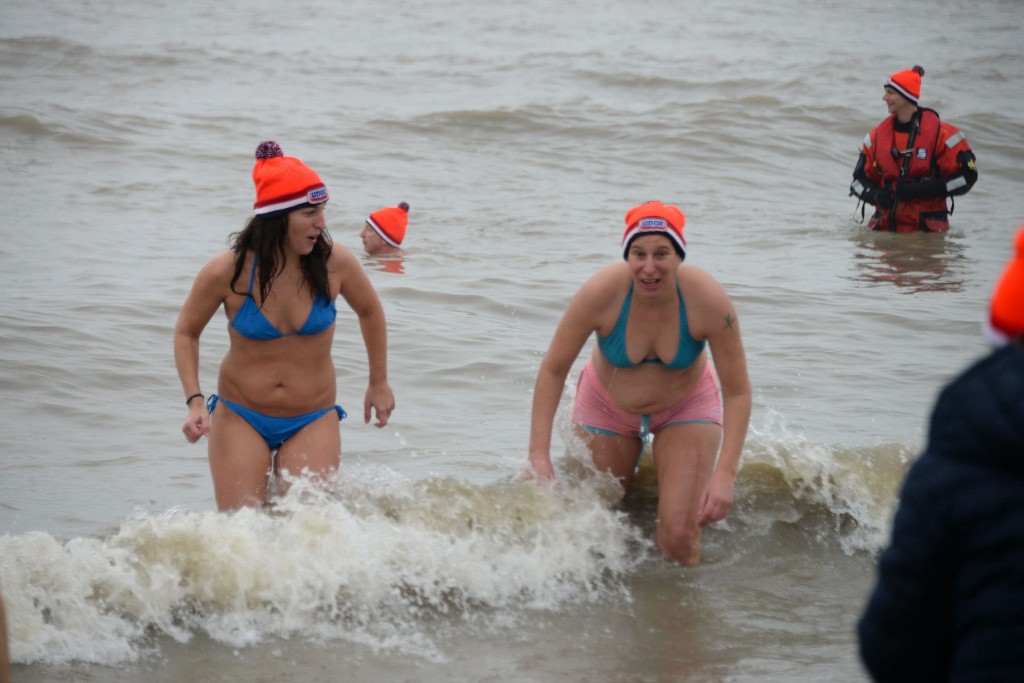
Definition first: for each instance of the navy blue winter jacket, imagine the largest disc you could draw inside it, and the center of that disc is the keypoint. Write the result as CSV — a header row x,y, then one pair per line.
x,y
949,602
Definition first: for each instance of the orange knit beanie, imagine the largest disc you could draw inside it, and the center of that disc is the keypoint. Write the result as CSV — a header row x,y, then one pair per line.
x,y
655,217
907,83
1006,314
283,183
390,223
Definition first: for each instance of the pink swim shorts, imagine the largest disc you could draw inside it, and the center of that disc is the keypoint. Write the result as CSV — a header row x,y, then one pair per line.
x,y
596,412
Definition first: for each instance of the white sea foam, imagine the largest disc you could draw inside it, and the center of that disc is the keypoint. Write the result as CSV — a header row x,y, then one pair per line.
x,y
378,561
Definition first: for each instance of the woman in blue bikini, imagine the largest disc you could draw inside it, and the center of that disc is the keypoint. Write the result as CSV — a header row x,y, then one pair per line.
x,y
277,382
649,374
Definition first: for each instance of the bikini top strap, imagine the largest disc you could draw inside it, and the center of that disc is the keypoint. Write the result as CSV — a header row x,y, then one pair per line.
x,y
252,274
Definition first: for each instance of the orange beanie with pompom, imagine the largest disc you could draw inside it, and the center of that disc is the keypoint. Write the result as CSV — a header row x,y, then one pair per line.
x,y
907,83
283,183
390,223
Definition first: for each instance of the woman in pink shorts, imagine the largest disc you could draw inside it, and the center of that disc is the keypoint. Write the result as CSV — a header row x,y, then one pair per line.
x,y
649,373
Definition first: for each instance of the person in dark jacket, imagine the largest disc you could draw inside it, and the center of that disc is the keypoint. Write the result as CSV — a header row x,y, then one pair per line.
x,y
949,601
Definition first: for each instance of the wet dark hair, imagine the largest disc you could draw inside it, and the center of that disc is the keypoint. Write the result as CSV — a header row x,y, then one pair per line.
x,y
265,236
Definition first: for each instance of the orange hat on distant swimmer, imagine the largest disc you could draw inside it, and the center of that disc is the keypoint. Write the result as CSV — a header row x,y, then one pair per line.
x,y
655,218
283,183
1006,314
907,83
390,223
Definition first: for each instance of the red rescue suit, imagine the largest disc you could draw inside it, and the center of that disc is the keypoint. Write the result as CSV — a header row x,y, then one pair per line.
x,y
909,183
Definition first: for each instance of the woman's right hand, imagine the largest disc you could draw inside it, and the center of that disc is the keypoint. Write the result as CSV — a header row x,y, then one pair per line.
x,y
197,424
540,468
379,401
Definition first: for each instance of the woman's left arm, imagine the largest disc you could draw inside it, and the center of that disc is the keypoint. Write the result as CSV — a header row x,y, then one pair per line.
x,y
362,298
720,325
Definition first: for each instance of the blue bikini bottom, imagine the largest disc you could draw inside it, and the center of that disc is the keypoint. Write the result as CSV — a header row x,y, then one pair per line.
x,y
274,430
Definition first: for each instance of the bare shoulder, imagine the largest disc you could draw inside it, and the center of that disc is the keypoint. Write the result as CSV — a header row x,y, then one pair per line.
x,y
605,284
339,252
211,287
349,279
708,305
218,271
698,283
342,264
595,306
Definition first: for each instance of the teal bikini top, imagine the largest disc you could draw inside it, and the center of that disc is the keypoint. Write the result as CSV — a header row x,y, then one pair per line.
x,y
252,324
614,345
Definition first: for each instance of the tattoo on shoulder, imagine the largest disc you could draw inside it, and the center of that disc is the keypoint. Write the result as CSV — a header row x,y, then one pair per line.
x,y
729,320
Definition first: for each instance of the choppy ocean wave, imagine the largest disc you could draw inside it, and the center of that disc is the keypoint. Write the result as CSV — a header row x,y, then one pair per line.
x,y
388,562
380,561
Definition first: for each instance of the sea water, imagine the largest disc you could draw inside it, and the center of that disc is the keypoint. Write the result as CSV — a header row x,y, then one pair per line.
x,y
519,133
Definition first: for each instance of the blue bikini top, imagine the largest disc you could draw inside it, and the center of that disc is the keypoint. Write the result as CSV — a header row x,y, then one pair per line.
x,y
614,345
252,324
